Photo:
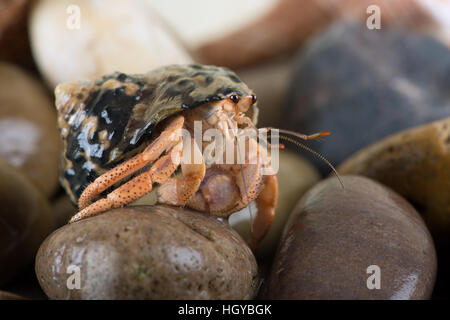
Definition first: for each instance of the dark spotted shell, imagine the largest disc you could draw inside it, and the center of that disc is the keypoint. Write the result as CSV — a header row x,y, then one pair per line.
x,y
102,122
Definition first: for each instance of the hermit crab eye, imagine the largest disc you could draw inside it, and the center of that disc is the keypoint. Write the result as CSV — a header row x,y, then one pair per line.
x,y
253,98
234,98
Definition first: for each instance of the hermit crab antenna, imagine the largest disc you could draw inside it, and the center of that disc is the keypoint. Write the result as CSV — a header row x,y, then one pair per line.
x,y
301,136
321,157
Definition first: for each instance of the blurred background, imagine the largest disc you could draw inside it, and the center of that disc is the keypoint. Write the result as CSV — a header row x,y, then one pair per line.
x,y
362,69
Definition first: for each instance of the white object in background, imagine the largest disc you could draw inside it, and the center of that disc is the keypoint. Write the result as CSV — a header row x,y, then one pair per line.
x,y
200,21
111,35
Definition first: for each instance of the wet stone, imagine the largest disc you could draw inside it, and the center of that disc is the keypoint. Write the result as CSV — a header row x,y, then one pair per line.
x,y
148,252
29,137
24,222
335,236
416,164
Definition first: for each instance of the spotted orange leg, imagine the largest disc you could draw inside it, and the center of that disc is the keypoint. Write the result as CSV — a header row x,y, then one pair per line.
x,y
161,170
168,138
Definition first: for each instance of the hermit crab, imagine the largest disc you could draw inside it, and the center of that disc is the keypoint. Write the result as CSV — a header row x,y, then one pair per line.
x,y
122,135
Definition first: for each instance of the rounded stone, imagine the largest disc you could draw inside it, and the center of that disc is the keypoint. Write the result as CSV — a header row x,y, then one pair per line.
x,y
336,239
416,164
24,222
29,137
295,176
147,252
72,42
350,81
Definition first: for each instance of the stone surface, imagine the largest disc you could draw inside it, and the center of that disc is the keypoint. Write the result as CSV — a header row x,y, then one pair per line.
x,y
295,176
362,85
24,222
335,234
416,164
29,138
114,36
148,252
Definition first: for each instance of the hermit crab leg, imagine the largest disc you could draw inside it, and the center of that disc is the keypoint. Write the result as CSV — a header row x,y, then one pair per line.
x,y
267,199
266,203
136,187
167,139
177,191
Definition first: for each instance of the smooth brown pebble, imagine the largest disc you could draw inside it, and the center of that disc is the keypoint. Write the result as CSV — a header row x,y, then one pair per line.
x,y
334,235
147,252
416,164
29,137
24,221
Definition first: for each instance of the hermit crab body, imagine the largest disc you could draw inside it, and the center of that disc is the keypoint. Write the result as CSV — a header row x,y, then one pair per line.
x,y
122,135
